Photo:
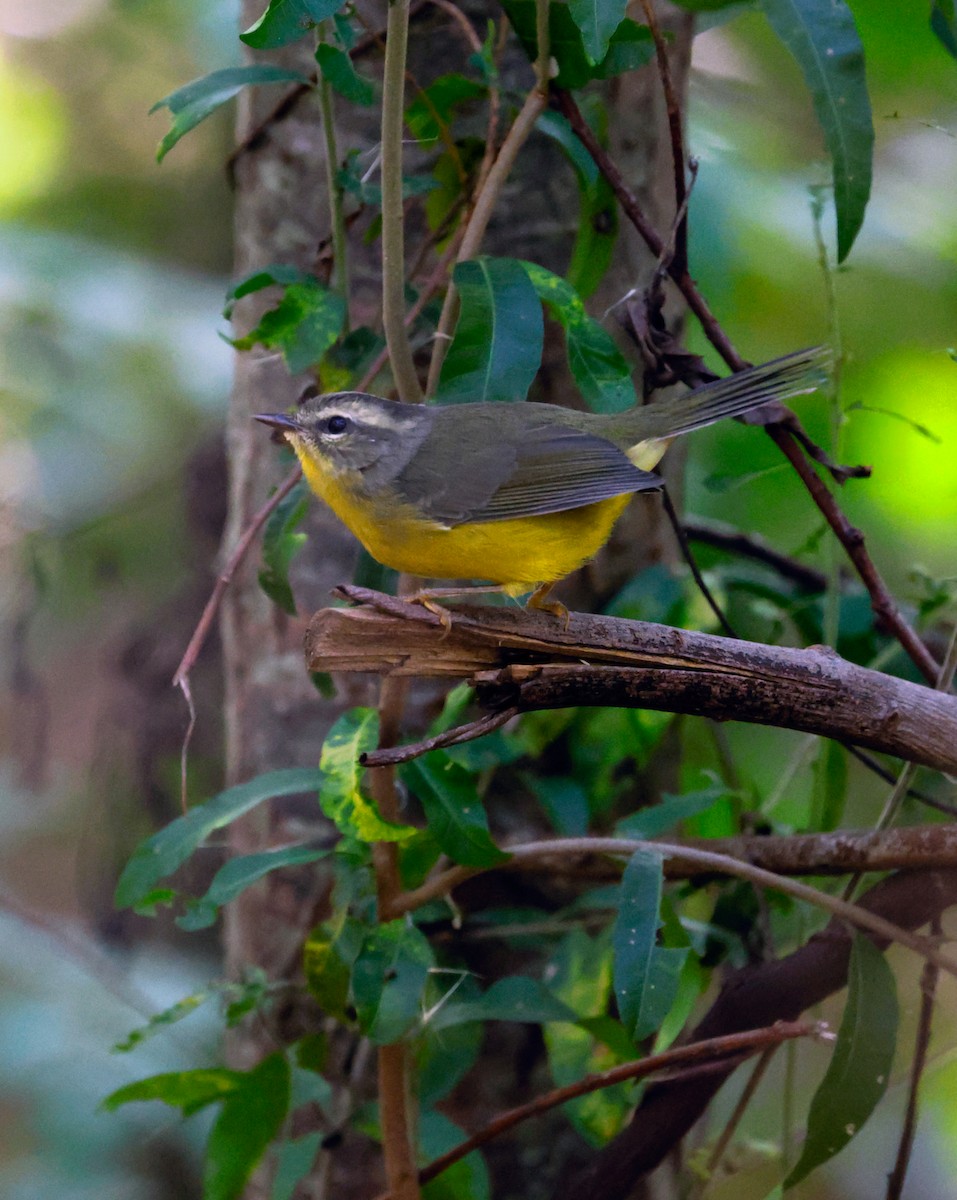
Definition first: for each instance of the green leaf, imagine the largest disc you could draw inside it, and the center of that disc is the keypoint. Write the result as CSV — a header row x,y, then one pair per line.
x,y
823,39
335,65
444,1056
556,126
351,178
596,237
246,995
652,822
600,370
646,975
499,336
162,1020
579,972
597,20
564,801
944,24
187,1090
830,787
294,1161
166,850
629,47
516,998
251,1117
692,981
860,1067
340,789
388,980
454,812
275,275
437,103
327,961
465,1180
281,544
371,574
193,103
303,325
597,213
287,21
246,869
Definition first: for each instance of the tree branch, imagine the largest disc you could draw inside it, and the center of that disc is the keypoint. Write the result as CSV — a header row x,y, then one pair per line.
x,y
524,660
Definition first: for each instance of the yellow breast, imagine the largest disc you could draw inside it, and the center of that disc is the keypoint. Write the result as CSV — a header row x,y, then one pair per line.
x,y
520,553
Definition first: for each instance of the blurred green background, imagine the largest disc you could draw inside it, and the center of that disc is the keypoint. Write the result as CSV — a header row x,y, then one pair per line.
x,y
114,383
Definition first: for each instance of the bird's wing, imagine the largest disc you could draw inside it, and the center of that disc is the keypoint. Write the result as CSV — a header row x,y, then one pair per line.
x,y
542,469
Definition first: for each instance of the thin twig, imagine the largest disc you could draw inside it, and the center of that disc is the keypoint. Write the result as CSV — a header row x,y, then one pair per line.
x,y
680,256
485,203
543,46
451,737
340,245
878,769
750,545
465,25
187,739
689,558
709,861
735,1045
885,610
731,1126
224,578
928,986
494,110
788,437
393,207
914,848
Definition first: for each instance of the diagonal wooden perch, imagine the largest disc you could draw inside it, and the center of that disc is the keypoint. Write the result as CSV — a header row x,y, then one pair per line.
x,y
520,660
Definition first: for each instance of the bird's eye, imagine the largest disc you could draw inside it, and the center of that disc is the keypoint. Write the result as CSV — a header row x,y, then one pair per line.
x,y
337,424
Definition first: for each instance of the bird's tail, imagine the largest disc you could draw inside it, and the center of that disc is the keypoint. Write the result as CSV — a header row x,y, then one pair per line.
x,y
781,379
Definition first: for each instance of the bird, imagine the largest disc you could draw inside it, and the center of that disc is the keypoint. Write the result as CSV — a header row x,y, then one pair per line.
x,y
517,495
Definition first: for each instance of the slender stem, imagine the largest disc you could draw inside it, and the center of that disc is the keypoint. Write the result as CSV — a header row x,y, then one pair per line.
x,y
885,610
401,1171
394,1063
750,545
688,555
543,42
928,987
224,578
485,203
731,1126
723,864
708,1050
673,106
340,244
832,607
393,212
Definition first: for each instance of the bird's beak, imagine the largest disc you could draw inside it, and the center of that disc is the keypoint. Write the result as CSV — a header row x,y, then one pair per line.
x,y
279,421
